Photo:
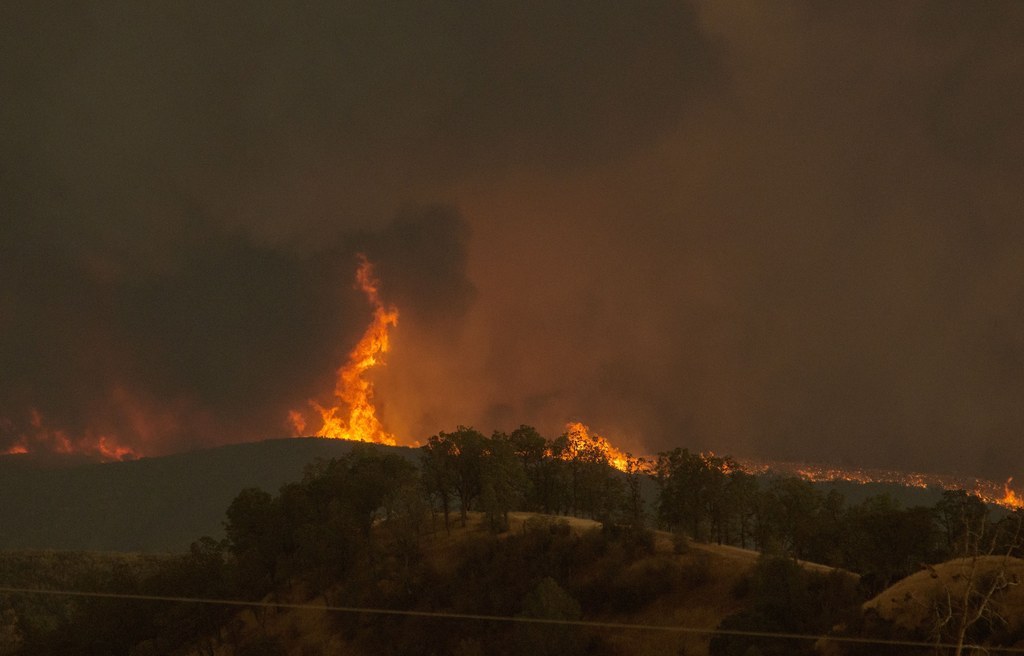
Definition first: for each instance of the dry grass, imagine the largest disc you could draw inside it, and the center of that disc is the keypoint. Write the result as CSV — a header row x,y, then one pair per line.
x,y
704,595
702,604
577,524
910,603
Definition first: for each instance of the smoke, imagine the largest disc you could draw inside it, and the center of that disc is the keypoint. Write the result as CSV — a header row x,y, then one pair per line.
x,y
790,231
214,346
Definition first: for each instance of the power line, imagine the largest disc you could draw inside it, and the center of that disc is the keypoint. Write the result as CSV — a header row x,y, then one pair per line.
x,y
499,618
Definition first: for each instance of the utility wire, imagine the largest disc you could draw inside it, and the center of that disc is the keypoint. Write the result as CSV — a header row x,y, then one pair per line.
x,y
501,618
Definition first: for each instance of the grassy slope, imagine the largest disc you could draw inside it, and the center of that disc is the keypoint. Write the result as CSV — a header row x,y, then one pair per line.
x,y
908,603
702,603
62,570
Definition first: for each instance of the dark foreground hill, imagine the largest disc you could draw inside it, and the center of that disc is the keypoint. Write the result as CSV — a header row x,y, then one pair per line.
x,y
151,504
542,568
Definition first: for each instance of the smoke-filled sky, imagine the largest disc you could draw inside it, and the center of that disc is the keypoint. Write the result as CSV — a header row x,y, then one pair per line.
x,y
786,230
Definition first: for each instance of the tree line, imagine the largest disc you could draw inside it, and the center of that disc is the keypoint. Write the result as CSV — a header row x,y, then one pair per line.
x,y
322,523
710,498
356,530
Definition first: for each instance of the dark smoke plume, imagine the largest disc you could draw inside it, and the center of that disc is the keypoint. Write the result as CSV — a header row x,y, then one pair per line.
x,y
788,231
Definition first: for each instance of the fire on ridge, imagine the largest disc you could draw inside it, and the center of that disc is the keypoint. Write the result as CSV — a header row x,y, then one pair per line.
x,y
988,491
582,439
49,439
352,415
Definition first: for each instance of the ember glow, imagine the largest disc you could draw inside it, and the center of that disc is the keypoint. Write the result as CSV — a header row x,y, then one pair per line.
x,y
352,415
43,437
988,491
582,440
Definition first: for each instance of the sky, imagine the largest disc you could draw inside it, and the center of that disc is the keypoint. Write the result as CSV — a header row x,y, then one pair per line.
x,y
777,230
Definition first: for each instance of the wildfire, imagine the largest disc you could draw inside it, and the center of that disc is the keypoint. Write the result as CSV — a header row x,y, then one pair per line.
x,y
581,440
986,490
42,436
1010,498
353,416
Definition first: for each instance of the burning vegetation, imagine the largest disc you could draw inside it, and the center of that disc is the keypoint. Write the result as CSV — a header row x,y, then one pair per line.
x,y
352,415
41,436
988,491
581,441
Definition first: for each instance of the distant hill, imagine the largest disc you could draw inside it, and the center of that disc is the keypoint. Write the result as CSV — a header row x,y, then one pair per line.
x,y
151,504
907,496
162,504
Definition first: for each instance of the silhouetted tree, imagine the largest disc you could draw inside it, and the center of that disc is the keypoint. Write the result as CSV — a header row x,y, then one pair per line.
x,y
886,543
692,493
741,490
532,450
960,515
438,472
255,536
798,505
502,481
634,511
470,448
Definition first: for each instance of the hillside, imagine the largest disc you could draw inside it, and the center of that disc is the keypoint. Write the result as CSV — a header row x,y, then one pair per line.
x,y
369,529
163,503
913,604
697,588
151,504
593,573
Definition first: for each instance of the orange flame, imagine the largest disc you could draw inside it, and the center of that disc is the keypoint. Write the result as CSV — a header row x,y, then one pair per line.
x,y
109,449
1011,499
353,392
581,439
986,490
55,440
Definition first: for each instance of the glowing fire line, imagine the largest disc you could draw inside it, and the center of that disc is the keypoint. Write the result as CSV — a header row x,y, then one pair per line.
x,y
987,491
43,437
581,439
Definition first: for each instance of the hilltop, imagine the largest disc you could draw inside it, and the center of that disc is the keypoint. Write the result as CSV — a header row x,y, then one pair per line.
x,y
150,504
162,504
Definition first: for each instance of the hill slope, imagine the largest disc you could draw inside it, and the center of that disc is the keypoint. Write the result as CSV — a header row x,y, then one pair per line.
x,y
152,504
697,588
912,604
162,504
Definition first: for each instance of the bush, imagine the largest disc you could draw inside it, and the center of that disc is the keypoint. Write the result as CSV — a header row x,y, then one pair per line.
x,y
263,646
696,571
680,543
642,582
634,539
